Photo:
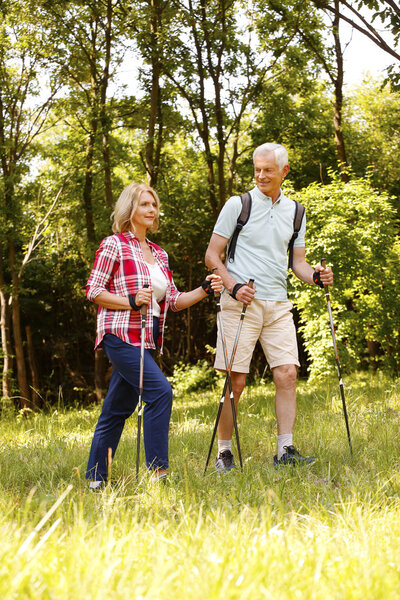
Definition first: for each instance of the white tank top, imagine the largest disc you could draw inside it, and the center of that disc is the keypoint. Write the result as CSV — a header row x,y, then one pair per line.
x,y
159,285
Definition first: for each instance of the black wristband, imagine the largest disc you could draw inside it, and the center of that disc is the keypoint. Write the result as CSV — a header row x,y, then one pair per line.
x,y
132,298
206,285
317,279
236,288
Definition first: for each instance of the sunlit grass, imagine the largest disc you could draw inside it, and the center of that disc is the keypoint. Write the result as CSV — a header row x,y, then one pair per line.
x,y
327,531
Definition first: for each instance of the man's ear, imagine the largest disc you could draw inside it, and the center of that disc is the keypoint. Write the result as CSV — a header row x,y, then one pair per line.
x,y
285,170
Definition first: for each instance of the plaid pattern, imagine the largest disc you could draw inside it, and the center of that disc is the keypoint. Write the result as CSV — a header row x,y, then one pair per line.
x,y
120,269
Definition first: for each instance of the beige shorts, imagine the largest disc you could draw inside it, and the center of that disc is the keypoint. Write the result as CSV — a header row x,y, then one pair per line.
x,y
269,321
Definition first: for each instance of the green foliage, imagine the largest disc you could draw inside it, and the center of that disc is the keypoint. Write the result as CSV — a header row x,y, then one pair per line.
x,y
353,227
373,134
191,378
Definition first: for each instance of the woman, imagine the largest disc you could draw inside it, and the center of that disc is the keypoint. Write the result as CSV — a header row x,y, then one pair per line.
x,y
129,271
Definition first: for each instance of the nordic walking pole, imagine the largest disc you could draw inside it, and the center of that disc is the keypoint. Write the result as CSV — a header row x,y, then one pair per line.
x,y
143,314
228,381
341,384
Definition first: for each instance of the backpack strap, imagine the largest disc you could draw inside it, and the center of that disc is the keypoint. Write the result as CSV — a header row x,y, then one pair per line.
x,y
240,223
297,220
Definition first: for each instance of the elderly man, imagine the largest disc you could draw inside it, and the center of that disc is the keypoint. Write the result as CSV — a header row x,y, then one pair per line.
x,y
261,254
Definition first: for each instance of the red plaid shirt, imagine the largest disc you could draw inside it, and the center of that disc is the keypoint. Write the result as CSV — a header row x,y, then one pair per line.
x,y
120,268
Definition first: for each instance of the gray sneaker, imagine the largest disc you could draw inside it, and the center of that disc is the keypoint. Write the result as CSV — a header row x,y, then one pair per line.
x,y
224,461
292,457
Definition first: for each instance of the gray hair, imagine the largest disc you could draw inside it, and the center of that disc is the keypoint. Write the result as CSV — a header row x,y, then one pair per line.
x,y
281,154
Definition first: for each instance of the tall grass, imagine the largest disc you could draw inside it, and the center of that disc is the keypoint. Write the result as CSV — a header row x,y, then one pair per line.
x,y
327,531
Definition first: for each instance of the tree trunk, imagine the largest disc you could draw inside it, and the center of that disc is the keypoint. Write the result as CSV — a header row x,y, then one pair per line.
x,y
36,399
151,157
5,334
25,401
338,107
189,321
88,187
104,118
100,371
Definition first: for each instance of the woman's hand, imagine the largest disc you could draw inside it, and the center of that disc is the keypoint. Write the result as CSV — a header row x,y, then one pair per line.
x,y
216,283
143,296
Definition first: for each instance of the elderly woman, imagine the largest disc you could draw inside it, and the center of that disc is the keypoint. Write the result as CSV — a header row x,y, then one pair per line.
x,y
125,264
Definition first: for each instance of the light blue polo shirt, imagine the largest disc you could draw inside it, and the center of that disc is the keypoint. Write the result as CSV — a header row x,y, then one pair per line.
x,y
261,249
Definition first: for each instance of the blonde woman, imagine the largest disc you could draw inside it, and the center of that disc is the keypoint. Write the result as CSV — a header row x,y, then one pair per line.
x,y
125,264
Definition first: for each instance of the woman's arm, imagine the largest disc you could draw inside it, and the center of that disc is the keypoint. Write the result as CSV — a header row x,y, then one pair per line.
x,y
108,300
114,302
187,299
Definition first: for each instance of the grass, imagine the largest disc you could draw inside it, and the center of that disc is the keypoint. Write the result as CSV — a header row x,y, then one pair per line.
x,y
327,531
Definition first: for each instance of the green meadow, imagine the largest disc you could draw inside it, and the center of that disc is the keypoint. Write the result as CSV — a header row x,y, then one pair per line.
x,y
331,530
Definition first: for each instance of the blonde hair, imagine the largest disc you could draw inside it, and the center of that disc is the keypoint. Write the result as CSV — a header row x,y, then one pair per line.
x,y
127,204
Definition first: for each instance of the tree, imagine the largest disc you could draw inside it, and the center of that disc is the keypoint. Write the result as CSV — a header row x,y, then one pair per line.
x,y
354,13
217,74
373,125
299,42
23,116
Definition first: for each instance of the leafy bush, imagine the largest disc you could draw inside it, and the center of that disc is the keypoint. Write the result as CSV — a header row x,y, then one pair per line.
x,y
353,226
190,378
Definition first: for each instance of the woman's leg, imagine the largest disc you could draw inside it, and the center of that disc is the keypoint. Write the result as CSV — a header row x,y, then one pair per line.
x,y
119,404
157,395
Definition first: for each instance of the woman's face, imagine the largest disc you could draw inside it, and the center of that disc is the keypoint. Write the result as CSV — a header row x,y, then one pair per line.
x,y
146,212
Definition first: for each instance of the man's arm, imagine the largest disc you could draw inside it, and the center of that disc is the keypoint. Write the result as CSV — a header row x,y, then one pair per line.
x,y
213,260
304,271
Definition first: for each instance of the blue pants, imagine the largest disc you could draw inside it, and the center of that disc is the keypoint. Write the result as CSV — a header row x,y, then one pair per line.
x,y
121,401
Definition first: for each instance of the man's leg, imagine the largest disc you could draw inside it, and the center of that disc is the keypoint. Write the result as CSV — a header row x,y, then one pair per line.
x,y
278,340
225,426
285,397
250,331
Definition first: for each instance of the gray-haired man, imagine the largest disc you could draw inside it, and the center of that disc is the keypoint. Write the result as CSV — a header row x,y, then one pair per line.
x,y
261,254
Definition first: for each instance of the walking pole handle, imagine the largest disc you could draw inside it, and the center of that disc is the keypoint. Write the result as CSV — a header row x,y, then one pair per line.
x,y
326,287
144,307
251,283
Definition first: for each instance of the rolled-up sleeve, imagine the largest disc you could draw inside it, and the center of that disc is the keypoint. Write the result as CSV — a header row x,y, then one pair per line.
x,y
174,296
105,265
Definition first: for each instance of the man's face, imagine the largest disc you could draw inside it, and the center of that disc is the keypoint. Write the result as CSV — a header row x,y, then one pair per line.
x,y
267,174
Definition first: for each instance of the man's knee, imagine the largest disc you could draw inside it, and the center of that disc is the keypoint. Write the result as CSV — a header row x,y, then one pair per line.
x,y
285,376
238,383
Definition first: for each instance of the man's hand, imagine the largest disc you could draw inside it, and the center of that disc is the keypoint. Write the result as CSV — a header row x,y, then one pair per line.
x,y
245,294
326,274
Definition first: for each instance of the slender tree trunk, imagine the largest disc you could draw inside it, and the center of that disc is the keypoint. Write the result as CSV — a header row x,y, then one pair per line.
x,y
88,187
338,107
17,333
5,334
153,143
100,371
104,118
232,164
36,400
189,321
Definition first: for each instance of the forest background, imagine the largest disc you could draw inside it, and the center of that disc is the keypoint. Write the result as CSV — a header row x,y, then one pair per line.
x,y
212,79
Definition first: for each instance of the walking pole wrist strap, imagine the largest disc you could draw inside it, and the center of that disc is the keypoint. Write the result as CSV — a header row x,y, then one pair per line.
x,y
206,285
236,288
132,298
317,279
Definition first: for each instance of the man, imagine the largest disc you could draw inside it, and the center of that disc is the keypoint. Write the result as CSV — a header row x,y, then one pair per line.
x,y
261,254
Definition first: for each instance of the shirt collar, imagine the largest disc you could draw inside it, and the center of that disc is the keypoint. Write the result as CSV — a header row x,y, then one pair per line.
x,y
262,196
132,236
